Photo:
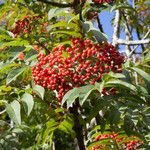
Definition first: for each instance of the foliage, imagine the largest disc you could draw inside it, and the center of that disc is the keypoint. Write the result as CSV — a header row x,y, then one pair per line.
x,y
115,106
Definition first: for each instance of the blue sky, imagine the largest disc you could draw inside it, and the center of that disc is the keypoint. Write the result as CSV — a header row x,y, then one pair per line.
x,y
105,18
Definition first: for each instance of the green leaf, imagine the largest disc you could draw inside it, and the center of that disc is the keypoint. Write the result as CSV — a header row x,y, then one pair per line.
x,y
67,32
145,75
64,24
85,91
113,115
16,42
51,126
12,75
121,83
97,106
4,68
121,6
71,96
5,88
53,12
146,58
39,90
93,136
99,36
28,102
100,86
82,93
105,141
116,75
128,139
87,25
89,29
67,126
13,109
3,102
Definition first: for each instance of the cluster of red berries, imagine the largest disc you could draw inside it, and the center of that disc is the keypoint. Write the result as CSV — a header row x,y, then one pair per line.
x,y
24,26
81,63
129,145
101,1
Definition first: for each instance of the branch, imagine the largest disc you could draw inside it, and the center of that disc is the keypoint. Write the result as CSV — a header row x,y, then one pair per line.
x,y
116,28
99,25
136,42
127,32
126,18
56,4
78,127
139,44
2,111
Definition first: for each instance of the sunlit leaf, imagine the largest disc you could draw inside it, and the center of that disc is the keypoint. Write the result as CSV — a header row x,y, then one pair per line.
x,y
39,90
28,102
12,75
13,109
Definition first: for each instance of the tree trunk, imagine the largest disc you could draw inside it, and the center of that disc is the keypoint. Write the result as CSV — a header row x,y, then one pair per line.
x,y
78,128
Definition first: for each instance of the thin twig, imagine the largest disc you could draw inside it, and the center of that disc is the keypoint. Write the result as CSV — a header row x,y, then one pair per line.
x,y
2,111
99,24
56,4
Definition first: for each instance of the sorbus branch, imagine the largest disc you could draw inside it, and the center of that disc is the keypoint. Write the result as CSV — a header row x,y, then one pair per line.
x,y
99,24
78,128
56,4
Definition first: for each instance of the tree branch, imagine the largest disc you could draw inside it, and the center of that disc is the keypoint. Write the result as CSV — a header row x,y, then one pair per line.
x,y
99,24
116,28
127,32
139,44
2,111
56,4
135,42
78,127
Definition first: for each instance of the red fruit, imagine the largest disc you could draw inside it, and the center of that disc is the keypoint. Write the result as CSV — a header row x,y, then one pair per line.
x,y
21,56
84,64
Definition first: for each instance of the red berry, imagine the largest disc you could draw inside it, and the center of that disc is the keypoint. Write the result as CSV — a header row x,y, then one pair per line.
x,y
84,64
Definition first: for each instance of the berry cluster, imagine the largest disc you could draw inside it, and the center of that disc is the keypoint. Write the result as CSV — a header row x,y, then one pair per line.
x,y
24,26
101,1
81,63
127,145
